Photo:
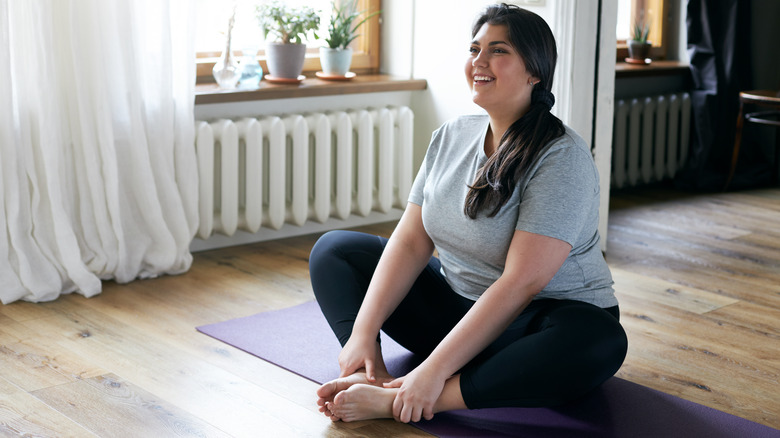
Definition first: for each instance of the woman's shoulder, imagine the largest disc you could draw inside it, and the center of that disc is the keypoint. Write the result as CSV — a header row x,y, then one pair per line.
x,y
570,139
566,152
570,144
465,123
569,154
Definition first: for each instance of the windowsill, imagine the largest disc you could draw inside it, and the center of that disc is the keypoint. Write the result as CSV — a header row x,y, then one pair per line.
x,y
655,68
310,87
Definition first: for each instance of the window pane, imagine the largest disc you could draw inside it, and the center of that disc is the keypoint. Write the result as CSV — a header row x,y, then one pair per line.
x,y
651,11
623,31
213,16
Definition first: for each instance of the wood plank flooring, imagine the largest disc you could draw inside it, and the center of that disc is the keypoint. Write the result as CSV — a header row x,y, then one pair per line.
x,y
698,278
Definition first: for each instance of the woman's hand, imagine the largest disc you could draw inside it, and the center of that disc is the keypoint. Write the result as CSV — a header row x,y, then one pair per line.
x,y
419,391
360,352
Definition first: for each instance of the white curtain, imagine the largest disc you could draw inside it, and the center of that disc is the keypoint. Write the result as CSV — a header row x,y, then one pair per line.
x,y
98,175
563,27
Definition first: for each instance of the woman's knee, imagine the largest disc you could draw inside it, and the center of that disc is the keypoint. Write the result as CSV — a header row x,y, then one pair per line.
x,y
345,241
596,330
614,342
575,346
326,244
342,252
332,246
604,346
585,335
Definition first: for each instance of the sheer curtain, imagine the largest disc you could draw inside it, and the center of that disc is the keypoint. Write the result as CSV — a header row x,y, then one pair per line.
x,y
98,175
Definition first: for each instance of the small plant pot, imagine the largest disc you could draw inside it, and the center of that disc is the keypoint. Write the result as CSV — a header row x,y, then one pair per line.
x,y
639,50
335,62
285,60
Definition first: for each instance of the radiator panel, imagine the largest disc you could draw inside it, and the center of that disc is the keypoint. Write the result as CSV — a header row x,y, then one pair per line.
x,y
651,138
291,169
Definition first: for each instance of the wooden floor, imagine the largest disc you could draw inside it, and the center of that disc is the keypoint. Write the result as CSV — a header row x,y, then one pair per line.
x,y
698,278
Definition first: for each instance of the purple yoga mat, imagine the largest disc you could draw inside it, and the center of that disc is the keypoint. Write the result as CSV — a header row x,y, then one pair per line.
x,y
299,340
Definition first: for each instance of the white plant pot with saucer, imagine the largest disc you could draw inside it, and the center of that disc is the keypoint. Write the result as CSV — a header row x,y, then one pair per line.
x,y
335,62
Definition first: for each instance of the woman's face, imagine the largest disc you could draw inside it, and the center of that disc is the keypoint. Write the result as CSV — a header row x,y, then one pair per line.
x,y
496,74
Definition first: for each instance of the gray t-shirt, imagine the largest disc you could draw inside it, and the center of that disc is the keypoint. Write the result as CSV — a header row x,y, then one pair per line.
x,y
558,197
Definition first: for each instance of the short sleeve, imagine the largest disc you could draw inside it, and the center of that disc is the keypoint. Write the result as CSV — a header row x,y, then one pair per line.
x,y
417,193
562,194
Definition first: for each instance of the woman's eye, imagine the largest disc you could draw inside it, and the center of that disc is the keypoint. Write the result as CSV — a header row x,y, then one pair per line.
x,y
473,50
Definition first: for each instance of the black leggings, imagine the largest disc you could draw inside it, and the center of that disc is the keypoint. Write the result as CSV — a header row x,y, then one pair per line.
x,y
554,352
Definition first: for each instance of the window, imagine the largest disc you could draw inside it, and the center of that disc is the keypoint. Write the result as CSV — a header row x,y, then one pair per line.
x,y
655,13
212,22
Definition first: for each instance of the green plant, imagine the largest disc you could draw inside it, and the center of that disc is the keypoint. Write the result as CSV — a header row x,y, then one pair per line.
x,y
341,32
287,23
641,30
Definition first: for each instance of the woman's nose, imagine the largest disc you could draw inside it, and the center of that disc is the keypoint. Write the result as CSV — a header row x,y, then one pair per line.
x,y
478,60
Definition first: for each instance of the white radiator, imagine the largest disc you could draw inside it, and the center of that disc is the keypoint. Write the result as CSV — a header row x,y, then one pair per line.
x,y
290,169
650,138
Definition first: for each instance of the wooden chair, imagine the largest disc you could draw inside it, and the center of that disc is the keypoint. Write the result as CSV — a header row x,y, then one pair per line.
x,y
768,101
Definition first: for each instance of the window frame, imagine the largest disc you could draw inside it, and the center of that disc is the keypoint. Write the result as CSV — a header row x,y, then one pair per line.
x,y
660,26
365,54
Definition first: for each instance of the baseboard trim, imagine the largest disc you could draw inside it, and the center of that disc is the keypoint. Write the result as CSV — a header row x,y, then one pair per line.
x,y
265,234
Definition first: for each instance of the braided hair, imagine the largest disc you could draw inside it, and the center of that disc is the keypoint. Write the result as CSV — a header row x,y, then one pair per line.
x,y
525,139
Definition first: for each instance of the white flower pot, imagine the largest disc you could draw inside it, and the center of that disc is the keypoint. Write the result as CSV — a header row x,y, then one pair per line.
x,y
335,62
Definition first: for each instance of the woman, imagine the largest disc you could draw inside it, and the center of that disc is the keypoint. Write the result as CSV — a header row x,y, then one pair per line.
x,y
518,309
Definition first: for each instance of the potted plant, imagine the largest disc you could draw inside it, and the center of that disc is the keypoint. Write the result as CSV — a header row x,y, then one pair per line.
x,y
638,46
286,54
336,58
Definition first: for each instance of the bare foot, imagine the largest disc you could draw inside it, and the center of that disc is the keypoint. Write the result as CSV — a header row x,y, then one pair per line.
x,y
329,390
362,402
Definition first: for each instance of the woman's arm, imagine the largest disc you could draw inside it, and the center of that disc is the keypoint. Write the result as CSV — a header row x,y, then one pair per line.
x,y
405,256
531,263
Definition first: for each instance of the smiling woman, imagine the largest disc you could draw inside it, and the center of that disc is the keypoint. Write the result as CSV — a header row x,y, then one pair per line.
x,y
508,201
212,19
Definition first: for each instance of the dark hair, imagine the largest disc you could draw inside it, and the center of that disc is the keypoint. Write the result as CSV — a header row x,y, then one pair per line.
x,y
525,139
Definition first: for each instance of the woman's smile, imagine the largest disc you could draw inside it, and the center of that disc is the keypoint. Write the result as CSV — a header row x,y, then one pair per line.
x,y
482,79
